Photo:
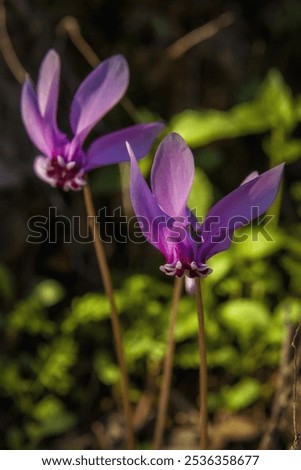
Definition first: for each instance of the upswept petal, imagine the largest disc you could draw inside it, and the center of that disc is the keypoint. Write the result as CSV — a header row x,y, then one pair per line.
x,y
98,93
172,175
147,211
235,210
48,87
33,120
111,148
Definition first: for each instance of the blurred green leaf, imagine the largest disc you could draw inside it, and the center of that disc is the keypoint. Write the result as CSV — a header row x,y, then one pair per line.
x,y
276,101
289,310
201,196
288,151
242,394
230,286
106,370
138,287
273,106
12,382
144,346
254,242
202,127
249,118
29,316
245,318
187,322
223,356
221,264
52,418
187,356
92,307
55,362
145,165
49,292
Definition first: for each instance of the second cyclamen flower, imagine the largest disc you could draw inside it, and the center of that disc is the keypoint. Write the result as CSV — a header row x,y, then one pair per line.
x,y
64,162
172,228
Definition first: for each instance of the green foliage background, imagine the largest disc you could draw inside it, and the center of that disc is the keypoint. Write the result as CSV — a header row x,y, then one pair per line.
x,y
57,364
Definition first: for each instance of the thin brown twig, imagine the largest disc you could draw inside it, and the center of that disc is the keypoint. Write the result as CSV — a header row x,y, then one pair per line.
x,y
7,48
107,281
203,374
198,35
70,25
295,427
167,368
282,390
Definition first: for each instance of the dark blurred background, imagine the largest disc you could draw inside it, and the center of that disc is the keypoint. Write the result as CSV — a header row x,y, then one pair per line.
x,y
59,385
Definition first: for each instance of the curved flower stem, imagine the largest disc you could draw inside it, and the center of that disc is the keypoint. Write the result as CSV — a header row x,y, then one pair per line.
x,y
107,282
71,26
167,368
7,48
203,380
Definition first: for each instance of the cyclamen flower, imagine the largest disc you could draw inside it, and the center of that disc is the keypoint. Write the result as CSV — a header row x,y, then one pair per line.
x,y
172,228
64,162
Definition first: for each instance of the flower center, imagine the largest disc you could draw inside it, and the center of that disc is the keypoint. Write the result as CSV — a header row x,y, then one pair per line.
x,y
65,175
191,270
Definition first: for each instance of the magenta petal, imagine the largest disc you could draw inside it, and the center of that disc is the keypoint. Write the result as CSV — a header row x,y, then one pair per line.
x,y
172,175
32,119
98,93
111,148
148,213
242,205
47,97
48,86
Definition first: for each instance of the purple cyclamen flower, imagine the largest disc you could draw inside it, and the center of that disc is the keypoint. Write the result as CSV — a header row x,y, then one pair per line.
x,y
64,162
172,228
